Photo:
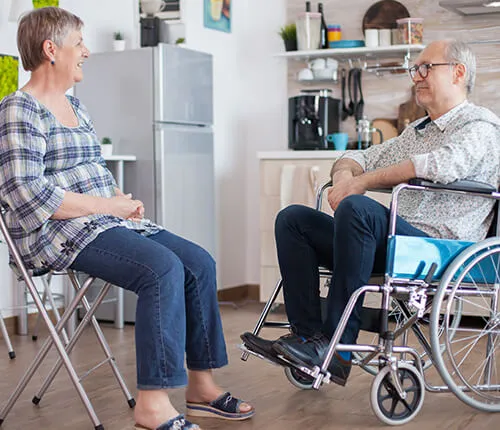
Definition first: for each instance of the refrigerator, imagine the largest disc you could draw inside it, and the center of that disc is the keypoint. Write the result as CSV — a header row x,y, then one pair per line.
x,y
156,103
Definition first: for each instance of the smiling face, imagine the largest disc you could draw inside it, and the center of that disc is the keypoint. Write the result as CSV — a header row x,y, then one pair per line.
x,y
443,88
70,56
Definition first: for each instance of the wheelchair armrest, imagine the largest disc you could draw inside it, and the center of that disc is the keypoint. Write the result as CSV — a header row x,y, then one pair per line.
x,y
463,185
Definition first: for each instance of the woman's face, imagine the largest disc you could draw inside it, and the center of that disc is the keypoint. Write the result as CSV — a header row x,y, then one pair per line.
x,y
71,55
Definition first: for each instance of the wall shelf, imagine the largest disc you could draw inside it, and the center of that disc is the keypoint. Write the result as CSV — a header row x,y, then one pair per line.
x,y
393,51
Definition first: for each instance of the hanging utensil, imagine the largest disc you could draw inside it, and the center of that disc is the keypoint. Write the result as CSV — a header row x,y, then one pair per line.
x,y
345,109
360,106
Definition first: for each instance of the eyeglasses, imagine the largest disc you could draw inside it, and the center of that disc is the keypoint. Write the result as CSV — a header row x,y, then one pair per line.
x,y
423,69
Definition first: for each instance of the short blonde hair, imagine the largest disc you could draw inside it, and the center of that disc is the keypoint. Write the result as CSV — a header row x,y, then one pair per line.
x,y
39,25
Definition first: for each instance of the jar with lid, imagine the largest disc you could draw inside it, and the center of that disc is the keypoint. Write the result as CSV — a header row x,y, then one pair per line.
x,y
411,30
308,31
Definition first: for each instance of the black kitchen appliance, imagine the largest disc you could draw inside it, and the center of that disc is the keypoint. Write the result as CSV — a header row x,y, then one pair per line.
x,y
150,31
312,116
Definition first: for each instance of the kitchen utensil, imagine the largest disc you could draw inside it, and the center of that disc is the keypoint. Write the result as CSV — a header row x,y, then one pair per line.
x,y
387,127
345,109
360,105
384,14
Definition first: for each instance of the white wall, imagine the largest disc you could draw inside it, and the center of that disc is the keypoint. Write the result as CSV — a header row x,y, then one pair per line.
x,y
249,116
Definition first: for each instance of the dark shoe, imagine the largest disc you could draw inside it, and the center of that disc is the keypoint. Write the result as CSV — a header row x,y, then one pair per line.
x,y
312,353
265,347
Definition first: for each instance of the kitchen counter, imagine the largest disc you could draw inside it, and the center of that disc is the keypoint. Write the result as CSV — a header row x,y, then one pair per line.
x,y
299,155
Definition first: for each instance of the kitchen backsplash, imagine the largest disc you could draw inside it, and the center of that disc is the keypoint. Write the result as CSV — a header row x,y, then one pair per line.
x,y
384,94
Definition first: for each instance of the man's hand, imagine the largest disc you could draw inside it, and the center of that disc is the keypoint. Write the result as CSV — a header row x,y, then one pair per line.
x,y
344,186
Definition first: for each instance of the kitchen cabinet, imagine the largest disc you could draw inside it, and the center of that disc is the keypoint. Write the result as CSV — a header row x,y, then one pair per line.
x,y
289,177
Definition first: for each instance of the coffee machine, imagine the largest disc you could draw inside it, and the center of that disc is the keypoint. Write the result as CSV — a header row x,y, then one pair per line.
x,y
312,116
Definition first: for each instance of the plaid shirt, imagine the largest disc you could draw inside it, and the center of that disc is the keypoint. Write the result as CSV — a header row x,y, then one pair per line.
x,y
40,159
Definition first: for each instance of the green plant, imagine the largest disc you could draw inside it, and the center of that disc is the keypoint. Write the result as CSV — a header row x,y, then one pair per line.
x,y
118,35
180,40
44,3
9,71
106,140
288,32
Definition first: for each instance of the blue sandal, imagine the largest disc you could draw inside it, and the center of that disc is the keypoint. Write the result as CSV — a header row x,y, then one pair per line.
x,y
225,407
176,423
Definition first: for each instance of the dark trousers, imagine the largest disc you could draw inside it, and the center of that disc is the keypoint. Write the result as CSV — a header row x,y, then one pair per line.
x,y
352,244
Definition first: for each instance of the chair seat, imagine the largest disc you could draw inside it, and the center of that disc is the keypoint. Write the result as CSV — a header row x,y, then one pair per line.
x,y
410,257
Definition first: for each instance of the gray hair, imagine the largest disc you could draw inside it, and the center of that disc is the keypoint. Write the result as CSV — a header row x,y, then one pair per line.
x,y
460,52
39,25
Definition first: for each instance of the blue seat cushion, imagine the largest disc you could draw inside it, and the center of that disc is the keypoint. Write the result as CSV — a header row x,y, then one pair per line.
x,y
411,257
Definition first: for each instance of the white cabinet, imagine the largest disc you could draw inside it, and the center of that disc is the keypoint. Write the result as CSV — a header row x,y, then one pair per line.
x,y
290,177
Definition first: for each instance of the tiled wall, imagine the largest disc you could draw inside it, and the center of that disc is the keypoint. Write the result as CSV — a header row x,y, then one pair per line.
x,y
384,94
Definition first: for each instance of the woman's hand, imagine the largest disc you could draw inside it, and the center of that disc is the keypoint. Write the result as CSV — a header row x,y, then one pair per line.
x,y
123,206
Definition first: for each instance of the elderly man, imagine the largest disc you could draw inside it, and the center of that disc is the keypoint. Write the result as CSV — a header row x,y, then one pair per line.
x,y
457,140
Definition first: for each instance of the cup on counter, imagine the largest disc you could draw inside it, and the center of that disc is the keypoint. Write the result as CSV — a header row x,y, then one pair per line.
x,y
339,140
371,37
305,74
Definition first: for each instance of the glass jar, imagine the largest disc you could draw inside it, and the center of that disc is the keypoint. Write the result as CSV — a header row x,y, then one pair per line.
x,y
411,30
308,31
334,33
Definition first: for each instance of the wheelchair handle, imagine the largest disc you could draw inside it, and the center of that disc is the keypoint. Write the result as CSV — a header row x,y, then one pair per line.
x,y
319,194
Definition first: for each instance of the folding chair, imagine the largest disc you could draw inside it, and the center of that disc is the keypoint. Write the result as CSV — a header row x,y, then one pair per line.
x,y
6,338
56,337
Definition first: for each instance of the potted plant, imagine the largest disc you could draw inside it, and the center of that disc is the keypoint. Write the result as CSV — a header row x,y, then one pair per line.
x,y
118,42
289,35
106,147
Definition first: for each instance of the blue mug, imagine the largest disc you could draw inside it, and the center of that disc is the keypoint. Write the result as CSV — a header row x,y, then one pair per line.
x,y
339,140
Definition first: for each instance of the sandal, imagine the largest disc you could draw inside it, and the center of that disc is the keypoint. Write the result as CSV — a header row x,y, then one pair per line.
x,y
176,423
225,407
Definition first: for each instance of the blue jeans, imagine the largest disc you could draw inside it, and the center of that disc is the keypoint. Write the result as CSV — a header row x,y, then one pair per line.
x,y
177,307
352,244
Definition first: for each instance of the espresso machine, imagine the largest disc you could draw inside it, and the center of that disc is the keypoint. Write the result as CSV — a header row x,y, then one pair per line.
x,y
312,116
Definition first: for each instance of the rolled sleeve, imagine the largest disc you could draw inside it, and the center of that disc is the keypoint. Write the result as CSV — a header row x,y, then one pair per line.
x,y
23,186
460,158
357,156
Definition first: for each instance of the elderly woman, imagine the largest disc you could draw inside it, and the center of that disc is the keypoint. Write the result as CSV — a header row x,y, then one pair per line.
x,y
65,210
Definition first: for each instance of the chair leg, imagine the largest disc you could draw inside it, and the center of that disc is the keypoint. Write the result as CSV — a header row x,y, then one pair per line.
x,y
5,334
89,317
53,339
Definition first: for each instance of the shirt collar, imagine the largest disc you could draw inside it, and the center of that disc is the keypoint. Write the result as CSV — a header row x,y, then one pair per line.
x,y
443,121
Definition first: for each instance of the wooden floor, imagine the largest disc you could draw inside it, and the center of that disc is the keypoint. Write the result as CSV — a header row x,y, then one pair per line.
x,y
279,405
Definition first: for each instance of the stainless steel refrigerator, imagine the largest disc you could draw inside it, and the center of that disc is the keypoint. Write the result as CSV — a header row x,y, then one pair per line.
x,y
156,103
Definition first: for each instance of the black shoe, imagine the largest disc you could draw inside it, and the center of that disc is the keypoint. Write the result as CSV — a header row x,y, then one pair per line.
x,y
312,353
265,347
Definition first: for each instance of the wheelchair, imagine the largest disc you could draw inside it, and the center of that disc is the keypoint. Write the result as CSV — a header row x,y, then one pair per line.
x,y
428,288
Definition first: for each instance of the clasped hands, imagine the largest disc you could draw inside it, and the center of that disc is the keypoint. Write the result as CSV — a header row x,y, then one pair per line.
x,y
127,208
344,184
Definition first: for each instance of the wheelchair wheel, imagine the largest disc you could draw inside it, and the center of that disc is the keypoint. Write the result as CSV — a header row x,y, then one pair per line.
x,y
385,400
299,379
470,362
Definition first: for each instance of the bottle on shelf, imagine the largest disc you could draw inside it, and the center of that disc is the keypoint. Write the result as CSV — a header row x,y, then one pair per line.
x,y
308,6
324,29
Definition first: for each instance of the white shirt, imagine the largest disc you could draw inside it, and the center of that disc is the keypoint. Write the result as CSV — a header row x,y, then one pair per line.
x,y
462,144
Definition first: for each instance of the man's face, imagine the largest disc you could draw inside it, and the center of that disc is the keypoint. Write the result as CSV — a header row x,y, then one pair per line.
x,y
440,83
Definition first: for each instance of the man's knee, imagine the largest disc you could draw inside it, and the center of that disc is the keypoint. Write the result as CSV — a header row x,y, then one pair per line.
x,y
355,206
291,216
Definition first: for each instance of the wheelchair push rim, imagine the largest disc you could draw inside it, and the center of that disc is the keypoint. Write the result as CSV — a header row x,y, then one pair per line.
x,y
470,365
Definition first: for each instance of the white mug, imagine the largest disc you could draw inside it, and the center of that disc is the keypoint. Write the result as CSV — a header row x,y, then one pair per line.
x,y
384,37
317,64
305,75
371,37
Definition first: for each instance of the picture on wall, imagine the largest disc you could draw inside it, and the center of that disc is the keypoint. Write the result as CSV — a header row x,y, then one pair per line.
x,y
45,3
9,75
217,15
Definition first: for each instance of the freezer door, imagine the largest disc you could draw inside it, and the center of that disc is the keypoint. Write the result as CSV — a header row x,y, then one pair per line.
x,y
183,85
185,183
